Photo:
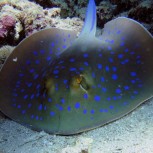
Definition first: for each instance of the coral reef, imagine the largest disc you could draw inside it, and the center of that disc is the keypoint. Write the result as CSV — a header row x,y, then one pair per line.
x,y
24,18
142,11
21,18
5,51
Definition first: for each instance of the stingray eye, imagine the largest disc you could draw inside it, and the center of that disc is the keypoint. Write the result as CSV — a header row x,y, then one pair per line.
x,y
82,82
79,79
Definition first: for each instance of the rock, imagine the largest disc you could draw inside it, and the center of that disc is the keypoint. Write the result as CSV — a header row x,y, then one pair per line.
x,y
143,12
82,145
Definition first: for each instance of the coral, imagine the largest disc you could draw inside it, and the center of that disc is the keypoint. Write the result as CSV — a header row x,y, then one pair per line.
x,y
7,24
105,12
143,12
5,51
29,17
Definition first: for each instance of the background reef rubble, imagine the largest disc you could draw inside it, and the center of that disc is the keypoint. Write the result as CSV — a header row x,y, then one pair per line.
x,y
21,18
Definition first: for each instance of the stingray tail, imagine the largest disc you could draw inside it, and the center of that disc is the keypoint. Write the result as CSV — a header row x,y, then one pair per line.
x,y
90,20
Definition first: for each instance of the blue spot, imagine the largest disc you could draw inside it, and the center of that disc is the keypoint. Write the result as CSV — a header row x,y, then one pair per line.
x,y
64,46
31,70
118,91
99,66
120,56
42,51
37,117
97,98
100,55
18,82
114,68
111,60
35,53
77,105
32,116
102,79
36,76
19,106
126,50
37,61
101,110
85,96
23,111
126,87
59,107
105,110
138,57
56,72
29,84
25,97
111,107
81,68
72,69
138,61
52,113
122,43
140,85
32,96
48,58
84,111
29,105
37,95
108,98
69,108
85,55
49,100
21,75
86,63
133,81
65,81
62,100
99,85
41,118
135,92
104,89
114,76
93,75
72,60
40,107
132,53
133,74
125,103
52,44
114,98
109,48
112,52
107,68
45,107
69,35
15,94
56,87
60,62
38,86
118,32
92,111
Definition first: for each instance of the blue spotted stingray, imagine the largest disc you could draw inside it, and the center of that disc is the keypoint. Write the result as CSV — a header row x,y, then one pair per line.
x,y
64,84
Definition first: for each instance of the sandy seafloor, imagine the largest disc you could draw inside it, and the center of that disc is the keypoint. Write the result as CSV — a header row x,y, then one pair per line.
x,y
130,134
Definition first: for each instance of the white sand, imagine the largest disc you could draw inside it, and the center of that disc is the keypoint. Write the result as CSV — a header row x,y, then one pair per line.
x,y
131,134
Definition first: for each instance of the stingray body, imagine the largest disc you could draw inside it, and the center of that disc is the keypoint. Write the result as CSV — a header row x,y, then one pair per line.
x,y
64,84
